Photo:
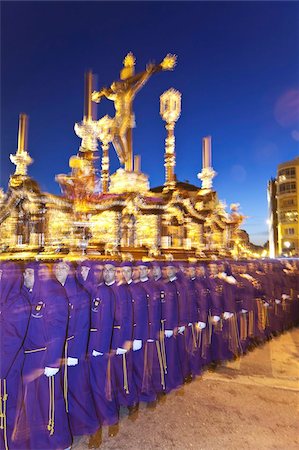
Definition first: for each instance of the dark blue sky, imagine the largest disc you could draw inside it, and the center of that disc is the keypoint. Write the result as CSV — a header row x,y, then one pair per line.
x,y
238,71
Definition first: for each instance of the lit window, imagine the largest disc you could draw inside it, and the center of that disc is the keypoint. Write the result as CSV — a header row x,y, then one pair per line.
x,y
286,188
290,231
288,202
288,216
285,174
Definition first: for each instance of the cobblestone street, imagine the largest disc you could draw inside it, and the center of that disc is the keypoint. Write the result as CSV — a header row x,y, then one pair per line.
x,y
251,403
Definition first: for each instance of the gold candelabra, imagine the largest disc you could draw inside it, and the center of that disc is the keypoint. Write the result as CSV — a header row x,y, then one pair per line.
x,y
22,158
105,135
170,111
86,130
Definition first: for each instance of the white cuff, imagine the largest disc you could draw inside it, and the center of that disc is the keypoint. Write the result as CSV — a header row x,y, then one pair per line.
x,y
121,351
137,344
227,315
95,353
72,361
50,371
168,333
216,319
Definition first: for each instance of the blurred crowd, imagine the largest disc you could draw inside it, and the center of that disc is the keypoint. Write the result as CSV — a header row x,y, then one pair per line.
x,y
81,340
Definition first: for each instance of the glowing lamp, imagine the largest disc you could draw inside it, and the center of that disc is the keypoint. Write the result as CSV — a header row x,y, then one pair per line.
x,y
170,105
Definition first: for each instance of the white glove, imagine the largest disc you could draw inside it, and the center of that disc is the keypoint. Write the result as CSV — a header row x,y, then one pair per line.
x,y
231,280
72,361
150,340
285,296
266,304
227,315
215,319
201,325
50,371
168,333
244,311
137,344
222,275
189,324
95,353
181,329
277,301
121,351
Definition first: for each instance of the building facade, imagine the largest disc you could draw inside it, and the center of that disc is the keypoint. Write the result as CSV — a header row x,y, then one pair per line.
x,y
283,197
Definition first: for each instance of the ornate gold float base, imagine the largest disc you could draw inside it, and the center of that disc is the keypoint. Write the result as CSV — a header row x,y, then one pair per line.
x,y
124,181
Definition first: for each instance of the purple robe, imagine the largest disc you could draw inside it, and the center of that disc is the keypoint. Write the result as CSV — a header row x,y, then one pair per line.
x,y
102,319
43,422
182,294
141,369
230,331
88,284
14,317
170,320
245,294
207,306
197,312
218,344
124,386
155,368
77,389
265,297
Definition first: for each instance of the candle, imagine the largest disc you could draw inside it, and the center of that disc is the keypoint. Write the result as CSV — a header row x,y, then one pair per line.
x,y
206,152
88,110
137,163
22,136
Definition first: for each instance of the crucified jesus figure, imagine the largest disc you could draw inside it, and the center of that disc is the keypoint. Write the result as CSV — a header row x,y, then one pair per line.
x,y
122,93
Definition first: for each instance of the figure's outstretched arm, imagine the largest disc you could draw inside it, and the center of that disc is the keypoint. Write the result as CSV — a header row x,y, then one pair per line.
x,y
97,95
168,63
139,80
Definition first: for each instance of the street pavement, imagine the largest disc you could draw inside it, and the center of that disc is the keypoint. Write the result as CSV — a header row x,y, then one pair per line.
x,y
250,403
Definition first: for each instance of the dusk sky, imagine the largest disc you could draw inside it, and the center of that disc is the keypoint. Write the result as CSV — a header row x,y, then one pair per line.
x,y
237,70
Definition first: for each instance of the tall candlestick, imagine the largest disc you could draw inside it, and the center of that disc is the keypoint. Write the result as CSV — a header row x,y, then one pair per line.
x,y
207,174
22,136
88,106
206,152
22,158
137,163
